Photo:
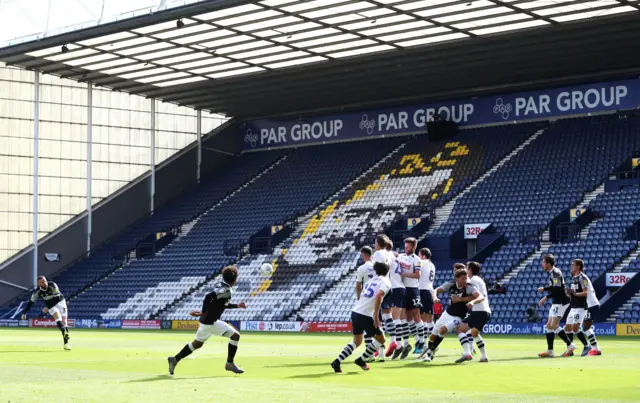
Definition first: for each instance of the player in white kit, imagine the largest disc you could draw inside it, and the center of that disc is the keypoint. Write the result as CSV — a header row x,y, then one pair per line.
x,y
383,255
410,267
365,319
480,314
427,277
593,306
365,273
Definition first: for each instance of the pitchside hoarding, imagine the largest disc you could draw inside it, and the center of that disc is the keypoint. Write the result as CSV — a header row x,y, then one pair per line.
x,y
601,97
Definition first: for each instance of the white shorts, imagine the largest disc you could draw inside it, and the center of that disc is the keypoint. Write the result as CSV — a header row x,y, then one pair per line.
x,y
450,321
60,307
558,310
219,328
576,316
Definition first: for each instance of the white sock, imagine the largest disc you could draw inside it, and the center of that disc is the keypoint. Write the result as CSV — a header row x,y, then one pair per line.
x,y
429,329
591,337
405,335
398,335
480,343
421,329
465,345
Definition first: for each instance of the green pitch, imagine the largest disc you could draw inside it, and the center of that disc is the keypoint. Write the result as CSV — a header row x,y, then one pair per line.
x,y
131,366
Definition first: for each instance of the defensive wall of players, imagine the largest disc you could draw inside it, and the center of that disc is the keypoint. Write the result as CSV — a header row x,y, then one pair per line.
x,y
601,329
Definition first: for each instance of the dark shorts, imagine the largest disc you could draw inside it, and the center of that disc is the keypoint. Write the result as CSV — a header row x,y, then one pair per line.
x,y
387,302
412,298
591,313
362,324
397,297
426,299
477,319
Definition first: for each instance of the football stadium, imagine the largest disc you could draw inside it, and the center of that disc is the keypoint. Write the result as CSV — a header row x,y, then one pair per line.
x,y
319,200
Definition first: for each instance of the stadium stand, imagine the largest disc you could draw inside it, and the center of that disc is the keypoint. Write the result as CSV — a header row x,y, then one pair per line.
x,y
297,184
324,252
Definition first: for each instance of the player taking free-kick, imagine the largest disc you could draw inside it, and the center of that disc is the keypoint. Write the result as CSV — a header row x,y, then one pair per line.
x,y
213,307
56,306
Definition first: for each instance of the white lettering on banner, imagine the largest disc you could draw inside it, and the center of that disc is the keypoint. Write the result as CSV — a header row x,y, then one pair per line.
x,y
591,98
271,326
533,106
316,130
269,136
471,231
392,122
618,279
457,113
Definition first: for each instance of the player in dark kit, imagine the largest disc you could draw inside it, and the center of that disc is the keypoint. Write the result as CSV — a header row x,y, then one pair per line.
x,y
56,306
210,324
560,304
459,289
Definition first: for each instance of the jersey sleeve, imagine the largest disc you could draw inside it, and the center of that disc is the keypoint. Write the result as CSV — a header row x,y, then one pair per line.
x,y
417,265
471,289
34,297
446,285
385,286
221,291
360,275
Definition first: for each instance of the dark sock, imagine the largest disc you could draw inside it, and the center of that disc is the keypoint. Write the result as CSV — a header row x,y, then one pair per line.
x,y
550,337
570,337
371,348
186,350
66,329
367,340
231,352
61,327
434,344
563,336
582,338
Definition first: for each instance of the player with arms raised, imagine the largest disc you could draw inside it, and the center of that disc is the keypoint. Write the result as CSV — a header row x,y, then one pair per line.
x,y
365,319
56,306
213,307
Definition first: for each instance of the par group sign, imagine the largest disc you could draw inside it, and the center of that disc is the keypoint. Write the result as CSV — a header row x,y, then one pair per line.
x,y
264,134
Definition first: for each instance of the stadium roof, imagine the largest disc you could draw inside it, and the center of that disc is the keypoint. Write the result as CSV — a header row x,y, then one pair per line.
x,y
246,58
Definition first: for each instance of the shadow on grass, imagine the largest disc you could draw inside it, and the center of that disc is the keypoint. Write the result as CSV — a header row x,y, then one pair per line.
x,y
167,377
323,375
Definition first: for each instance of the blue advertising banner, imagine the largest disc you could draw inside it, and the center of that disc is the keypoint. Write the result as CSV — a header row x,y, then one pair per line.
x,y
604,329
600,97
111,324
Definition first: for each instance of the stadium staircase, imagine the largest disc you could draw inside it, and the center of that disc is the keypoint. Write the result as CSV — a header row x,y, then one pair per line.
x,y
443,213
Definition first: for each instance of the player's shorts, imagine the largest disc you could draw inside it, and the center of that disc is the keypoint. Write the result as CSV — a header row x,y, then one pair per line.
x,y
576,316
412,298
219,328
363,324
60,307
450,321
426,299
387,301
592,313
397,297
477,319
557,310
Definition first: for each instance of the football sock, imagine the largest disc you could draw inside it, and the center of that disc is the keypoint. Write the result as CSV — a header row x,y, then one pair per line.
x,y
346,351
563,335
480,343
429,329
550,337
582,338
413,329
186,350
398,332
389,325
592,338
405,333
464,342
61,327
421,332
367,340
231,351
433,344
371,348
570,336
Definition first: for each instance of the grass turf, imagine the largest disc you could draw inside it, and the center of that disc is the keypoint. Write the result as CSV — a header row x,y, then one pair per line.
x,y
131,366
